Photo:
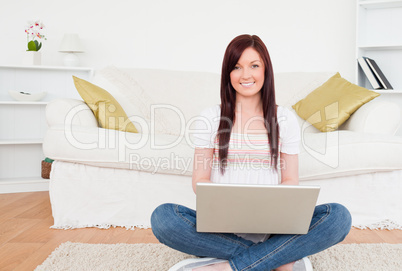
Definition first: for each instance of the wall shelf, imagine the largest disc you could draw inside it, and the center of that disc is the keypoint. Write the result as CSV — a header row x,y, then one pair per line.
x,y
378,37
21,142
380,4
13,102
390,91
381,47
50,68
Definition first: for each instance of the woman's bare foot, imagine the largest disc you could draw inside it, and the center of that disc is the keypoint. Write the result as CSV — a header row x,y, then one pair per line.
x,y
225,266
286,267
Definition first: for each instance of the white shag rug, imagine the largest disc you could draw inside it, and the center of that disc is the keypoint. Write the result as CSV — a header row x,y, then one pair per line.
x,y
158,257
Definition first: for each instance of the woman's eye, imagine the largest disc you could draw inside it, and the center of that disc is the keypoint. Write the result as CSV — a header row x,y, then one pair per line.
x,y
236,68
255,66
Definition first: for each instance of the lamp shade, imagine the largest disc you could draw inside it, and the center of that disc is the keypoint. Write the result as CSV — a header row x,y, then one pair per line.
x,y
71,43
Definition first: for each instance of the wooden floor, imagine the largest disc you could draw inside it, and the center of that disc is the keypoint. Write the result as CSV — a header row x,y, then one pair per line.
x,y
26,239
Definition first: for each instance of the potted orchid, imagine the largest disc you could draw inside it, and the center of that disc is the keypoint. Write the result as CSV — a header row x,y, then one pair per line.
x,y
34,33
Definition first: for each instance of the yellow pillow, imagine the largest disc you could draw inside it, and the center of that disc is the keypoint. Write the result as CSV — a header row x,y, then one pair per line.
x,y
106,109
331,104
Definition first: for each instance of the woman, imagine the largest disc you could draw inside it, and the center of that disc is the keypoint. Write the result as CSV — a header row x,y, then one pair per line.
x,y
251,138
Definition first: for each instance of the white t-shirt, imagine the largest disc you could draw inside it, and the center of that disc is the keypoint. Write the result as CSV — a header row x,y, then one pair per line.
x,y
249,158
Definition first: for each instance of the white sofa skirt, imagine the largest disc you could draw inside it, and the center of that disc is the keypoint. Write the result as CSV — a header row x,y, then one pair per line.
x,y
89,196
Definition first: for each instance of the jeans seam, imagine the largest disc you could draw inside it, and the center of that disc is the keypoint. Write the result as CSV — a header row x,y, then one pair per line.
x,y
192,224
266,256
290,240
231,240
182,217
231,263
323,217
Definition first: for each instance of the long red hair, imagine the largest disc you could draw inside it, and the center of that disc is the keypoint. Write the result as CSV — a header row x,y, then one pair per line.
x,y
228,97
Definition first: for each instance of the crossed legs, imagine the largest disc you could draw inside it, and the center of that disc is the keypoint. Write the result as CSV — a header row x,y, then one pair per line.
x,y
175,226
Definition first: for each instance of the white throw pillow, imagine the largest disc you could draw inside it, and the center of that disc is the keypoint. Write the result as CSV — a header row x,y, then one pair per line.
x,y
132,97
291,87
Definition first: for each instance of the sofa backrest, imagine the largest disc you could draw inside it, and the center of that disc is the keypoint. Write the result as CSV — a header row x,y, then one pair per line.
x,y
291,87
186,92
178,96
175,96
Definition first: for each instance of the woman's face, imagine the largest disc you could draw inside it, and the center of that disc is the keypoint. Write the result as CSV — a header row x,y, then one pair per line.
x,y
247,77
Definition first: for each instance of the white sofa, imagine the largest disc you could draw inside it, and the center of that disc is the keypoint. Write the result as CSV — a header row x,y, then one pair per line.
x,y
103,178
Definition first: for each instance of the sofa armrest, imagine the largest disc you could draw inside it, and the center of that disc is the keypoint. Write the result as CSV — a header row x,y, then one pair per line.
x,y
70,112
375,117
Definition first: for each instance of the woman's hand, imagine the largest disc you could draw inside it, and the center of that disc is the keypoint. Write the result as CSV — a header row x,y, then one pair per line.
x,y
289,165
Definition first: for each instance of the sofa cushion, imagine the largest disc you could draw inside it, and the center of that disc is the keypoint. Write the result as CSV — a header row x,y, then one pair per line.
x,y
291,87
331,104
155,153
344,153
106,109
323,155
375,117
75,112
132,97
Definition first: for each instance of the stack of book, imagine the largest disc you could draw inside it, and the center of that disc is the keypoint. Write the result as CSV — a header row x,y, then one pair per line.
x,y
373,73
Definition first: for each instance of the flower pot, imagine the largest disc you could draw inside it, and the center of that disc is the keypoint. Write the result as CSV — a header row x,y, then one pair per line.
x,y
31,58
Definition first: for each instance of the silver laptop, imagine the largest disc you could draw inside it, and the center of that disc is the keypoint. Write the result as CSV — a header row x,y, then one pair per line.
x,y
243,208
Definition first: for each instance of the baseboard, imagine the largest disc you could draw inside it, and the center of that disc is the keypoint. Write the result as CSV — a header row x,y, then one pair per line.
x,y
24,185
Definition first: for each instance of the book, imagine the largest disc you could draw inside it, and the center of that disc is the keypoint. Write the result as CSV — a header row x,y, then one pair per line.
x,y
369,73
378,73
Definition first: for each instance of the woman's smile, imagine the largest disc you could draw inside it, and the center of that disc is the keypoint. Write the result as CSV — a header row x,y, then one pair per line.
x,y
247,84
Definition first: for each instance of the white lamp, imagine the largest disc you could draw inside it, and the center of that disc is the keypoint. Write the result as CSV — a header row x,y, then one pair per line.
x,y
71,44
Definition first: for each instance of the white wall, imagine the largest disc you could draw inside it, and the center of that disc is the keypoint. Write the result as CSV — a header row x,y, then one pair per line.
x,y
309,35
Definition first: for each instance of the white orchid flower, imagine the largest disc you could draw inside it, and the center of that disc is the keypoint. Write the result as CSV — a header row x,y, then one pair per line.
x,y
34,32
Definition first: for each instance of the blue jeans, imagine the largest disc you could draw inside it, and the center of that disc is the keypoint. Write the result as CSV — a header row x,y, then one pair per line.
x,y
175,226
